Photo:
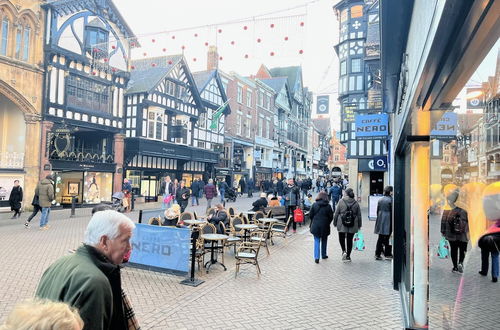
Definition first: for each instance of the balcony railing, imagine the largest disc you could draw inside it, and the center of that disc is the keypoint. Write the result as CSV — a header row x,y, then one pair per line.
x,y
84,156
11,159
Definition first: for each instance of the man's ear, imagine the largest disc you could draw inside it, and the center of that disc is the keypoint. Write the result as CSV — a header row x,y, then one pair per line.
x,y
104,242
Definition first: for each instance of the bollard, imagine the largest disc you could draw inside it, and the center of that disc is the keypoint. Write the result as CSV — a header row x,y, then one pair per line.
x,y
132,201
191,281
73,206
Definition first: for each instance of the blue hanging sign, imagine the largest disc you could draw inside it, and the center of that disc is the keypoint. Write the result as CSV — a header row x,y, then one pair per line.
x,y
370,127
446,128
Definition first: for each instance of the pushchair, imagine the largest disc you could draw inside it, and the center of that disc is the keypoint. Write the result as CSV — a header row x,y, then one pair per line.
x,y
230,195
117,199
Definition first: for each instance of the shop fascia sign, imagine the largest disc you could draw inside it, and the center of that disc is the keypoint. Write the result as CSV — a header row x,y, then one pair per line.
x,y
372,126
446,128
265,142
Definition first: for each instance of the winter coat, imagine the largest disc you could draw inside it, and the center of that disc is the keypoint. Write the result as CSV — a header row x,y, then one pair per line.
x,y
210,191
195,188
321,215
446,229
259,204
16,197
251,185
182,191
217,218
292,195
341,209
45,192
383,225
88,281
280,186
223,186
242,184
490,240
335,192
164,190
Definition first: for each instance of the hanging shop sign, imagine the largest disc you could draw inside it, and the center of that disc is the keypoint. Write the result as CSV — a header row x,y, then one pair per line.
x,y
446,128
322,102
372,126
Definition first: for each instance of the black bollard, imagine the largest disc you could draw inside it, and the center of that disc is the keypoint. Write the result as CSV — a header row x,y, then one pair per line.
x,y
73,206
132,201
191,281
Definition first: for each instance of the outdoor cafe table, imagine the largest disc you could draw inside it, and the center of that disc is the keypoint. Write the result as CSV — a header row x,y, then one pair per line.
x,y
249,214
193,222
214,238
246,227
268,222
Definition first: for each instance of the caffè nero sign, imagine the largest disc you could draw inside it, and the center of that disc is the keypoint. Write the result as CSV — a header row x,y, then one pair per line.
x,y
373,126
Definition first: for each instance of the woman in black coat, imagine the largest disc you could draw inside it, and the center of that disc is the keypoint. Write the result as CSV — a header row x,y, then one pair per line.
x,y
15,199
321,215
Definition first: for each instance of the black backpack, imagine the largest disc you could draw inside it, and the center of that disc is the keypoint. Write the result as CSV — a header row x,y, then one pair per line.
x,y
348,216
457,224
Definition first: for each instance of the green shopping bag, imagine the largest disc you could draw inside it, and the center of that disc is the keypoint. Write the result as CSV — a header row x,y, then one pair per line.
x,y
359,241
443,249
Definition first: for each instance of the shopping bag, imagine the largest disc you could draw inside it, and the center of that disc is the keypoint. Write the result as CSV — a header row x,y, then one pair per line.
x,y
443,249
359,241
298,215
168,199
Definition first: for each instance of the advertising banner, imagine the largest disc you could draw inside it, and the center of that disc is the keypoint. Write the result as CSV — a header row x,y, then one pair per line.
x,y
475,98
161,247
322,103
372,126
446,128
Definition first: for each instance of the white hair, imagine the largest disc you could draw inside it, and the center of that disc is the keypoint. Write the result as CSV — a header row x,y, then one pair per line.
x,y
106,223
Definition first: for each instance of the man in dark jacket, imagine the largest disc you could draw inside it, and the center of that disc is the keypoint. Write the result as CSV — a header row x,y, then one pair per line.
x,y
292,200
335,194
45,192
251,187
219,216
182,195
242,185
195,189
15,199
279,187
90,279
223,187
321,215
210,192
260,203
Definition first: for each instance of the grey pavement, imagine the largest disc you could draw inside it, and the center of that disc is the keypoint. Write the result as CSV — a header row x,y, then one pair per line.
x,y
292,293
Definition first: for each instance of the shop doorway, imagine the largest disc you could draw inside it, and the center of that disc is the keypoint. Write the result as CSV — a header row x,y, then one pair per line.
x,y
376,183
150,188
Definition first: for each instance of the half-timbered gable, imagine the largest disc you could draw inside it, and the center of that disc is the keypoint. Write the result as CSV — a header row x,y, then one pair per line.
x,y
213,96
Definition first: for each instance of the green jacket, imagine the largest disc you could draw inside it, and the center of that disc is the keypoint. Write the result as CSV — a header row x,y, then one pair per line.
x,y
88,281
45,192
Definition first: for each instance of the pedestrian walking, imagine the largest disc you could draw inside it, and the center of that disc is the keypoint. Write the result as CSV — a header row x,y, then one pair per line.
x,y
167,192
222,189
210,192
292,201
335,193
36,209
176,187
251,187
182,195
347,219
490,240
321,216
90,278
243,185
383,225
45,193
195,189
15,199
455,228
127,189
201,185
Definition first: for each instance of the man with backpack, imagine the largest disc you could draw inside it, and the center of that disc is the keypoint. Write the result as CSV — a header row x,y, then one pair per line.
x,y
347,219
455,228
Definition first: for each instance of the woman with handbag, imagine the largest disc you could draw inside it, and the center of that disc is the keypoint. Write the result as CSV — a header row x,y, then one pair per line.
x,y
321,215
36,208
347,219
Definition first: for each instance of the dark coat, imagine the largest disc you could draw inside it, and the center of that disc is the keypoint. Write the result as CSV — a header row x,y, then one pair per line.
x,y
163,188
341,209
242,184
259,204
383,226
88,281
210,191
280,186
223,185
446,229
490,240
16,197
292,195
251,184
321,215
179,195
195,188
217,218
335,192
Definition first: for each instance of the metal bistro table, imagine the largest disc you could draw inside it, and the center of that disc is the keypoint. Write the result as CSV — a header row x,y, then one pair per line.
x,y
193,222
249,214
268,222
214,238
246,227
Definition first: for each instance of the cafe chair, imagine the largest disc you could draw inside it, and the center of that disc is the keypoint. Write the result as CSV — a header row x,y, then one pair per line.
x,y
235,231
231,212
208,228
186,216
248,253
244,218
154,221
266,234
211,211
269,214
280,229
232,240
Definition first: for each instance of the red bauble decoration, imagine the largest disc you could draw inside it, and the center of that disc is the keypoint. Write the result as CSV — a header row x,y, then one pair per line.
x,y
259,40
132,67
132,44
93,73
220,30
246,55
271,26
153,40
113,46
301,51
232,43
245,27
153,64
170,62
194,59
164,49
105,60
220,58
183,47
173,37
196,35
286,38
145,54
206,43
301,23
113,69
272,53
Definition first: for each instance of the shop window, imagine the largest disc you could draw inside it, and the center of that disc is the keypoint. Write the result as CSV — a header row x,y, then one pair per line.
x,y
5,36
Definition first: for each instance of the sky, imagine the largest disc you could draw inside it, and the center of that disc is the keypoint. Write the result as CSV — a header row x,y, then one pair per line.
x,y
285,28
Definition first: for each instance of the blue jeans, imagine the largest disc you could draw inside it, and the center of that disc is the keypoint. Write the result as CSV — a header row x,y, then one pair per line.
x,y
45,216
485,254
317,241
194,198
222,193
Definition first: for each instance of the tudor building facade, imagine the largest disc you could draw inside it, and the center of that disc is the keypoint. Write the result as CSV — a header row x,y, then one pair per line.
x,y
87,50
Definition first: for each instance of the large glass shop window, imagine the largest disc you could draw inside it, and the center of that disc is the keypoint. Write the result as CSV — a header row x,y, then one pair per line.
x,y
98,187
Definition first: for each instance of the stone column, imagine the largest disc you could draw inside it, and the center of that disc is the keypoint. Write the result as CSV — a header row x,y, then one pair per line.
x,y
31,158
119,148
44,148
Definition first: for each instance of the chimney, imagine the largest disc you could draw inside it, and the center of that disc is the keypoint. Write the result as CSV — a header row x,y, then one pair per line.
x,y
212,58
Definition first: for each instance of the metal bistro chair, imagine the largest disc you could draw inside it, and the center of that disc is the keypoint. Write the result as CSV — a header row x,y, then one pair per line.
x,y
248,253
234,231
231,212
280,229
232,240
207,228
266,235
154,221
186,216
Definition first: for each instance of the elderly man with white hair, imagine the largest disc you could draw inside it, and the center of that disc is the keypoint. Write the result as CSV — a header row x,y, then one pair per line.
x,y
90,278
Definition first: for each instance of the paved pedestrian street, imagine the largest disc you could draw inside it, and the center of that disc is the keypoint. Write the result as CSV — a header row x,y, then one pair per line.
x,y
292,292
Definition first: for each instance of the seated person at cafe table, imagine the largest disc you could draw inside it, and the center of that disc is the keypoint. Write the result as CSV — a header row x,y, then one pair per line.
x,y
219,216
172,215
261,203
273,201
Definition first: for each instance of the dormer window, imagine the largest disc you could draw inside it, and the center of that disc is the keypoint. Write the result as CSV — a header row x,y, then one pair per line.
x,y
96,41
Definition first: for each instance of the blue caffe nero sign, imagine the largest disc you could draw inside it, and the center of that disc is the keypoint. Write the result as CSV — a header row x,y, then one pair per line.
x,y
372,126
446,127
161,247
